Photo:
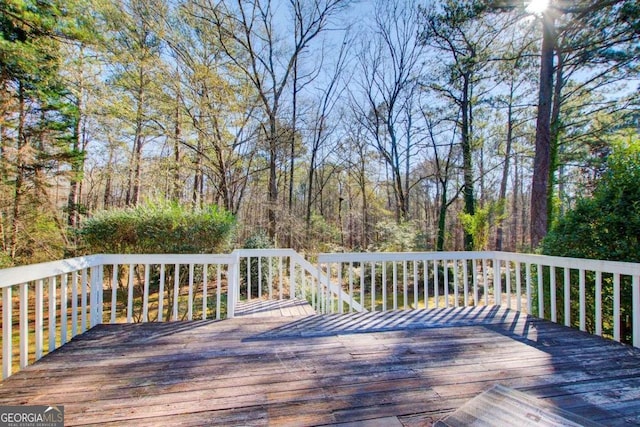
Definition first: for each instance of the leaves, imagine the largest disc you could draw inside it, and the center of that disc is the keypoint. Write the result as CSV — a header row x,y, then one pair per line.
x,y
160,227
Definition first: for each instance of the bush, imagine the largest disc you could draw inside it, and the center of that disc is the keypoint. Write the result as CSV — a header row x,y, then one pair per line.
x,y
605,226
158,228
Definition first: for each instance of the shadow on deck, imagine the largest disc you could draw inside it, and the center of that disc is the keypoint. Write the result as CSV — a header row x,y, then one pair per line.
x,y
401,367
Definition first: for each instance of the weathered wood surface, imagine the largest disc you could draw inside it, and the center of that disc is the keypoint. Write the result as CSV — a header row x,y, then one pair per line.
x,y
411,367
273,308
503,406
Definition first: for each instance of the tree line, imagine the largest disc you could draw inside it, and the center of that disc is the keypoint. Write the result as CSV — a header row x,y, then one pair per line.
x,y
324,124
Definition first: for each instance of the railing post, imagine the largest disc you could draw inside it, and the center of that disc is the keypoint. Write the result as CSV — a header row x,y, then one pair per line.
x,y
292,277
635,310
233,287
7,335
94,297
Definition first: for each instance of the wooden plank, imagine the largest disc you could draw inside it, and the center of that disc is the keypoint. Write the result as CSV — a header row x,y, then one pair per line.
x,y
501,406
415,367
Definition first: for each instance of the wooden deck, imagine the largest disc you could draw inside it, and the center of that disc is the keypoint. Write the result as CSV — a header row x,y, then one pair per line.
x,y
273,308
396,368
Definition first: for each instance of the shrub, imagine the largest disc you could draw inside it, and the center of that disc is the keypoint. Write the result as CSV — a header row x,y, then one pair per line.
x,y
158,228
605,226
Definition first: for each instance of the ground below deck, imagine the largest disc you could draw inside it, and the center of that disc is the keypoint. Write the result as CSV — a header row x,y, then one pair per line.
x,y
396,368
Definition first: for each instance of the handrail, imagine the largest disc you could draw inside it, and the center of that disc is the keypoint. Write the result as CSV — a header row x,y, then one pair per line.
x,y
68,296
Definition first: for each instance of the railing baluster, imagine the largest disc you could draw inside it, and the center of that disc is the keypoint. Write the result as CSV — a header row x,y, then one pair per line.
x,y
598,304
567,297
384,286
540,291
280,276
260,277
635,310
436,290
292,278
24,324
114,292
270,277
445,268
373,286
485,280
405,285
84,282
583,301
340,287
39,323
465,278
176,292
7,331
425,280
218,290
363,268
497,281
351,285
474,273
52,313
415,285
528,284
507,276
205,280
129,295
456,296
395,285
518,287
161,293
74,304
552,278
145,294
190,295
616,307
248,271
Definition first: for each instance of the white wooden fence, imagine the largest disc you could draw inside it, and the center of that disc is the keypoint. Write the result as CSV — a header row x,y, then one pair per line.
x,y
601,297
55,301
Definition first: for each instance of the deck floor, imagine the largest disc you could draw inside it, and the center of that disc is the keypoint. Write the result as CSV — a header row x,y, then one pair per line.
x,y
395,368
273,308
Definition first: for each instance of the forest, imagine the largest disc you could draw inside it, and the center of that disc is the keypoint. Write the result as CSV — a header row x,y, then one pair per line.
x,y
320,125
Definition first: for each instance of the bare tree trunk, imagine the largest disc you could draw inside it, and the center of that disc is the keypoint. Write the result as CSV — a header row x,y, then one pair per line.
x,y
135,168
542,160
467,161
273,178
554,132
77,164
515,205
18,189
177,135
505,178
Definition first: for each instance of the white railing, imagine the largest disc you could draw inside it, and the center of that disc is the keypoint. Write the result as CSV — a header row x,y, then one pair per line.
x,y
55,301
601,297
74,294
282,273
69,296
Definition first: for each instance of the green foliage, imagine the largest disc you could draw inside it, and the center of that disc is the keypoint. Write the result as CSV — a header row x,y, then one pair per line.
x,y
257,272
161,227
478,225
605,226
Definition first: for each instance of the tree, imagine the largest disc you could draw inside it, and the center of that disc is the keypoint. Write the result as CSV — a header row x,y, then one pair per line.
x,y
391,64
37,121
598,38
452,29
607,224
134,54
248,36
